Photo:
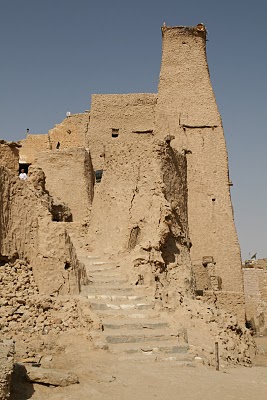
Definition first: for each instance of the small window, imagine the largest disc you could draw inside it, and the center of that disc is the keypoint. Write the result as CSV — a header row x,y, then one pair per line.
x,y
115,132
98,175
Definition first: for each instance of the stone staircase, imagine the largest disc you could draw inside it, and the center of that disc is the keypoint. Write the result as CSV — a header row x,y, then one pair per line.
x,y
131,327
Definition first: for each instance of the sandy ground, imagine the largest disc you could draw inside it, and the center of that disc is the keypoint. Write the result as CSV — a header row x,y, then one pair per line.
x,y
103,377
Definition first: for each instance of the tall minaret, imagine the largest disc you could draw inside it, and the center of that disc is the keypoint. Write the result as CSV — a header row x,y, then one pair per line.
x,y
187,110
185,92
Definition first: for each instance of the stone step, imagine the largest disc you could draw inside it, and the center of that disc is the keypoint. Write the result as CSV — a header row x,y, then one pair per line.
x,y
106,269
100,305
168,347
111,287
102,264
109,284
111,272
131,314
115,297
125,324
183,360
93,257
108,287
85,259
102,280
135,336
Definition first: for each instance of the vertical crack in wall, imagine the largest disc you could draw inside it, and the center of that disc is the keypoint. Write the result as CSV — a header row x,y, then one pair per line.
x,y
136,190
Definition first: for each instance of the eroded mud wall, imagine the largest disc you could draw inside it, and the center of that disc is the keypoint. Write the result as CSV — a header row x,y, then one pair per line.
x,y
27,232
69,178
255,286
140,206
187,109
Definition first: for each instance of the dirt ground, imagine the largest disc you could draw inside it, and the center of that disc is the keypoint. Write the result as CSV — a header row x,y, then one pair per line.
x,y
103,376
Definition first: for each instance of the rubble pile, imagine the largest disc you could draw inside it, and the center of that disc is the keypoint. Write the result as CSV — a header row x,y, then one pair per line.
x,y
24,311
206,325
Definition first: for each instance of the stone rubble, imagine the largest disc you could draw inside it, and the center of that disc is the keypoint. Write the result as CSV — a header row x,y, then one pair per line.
x,y
24,311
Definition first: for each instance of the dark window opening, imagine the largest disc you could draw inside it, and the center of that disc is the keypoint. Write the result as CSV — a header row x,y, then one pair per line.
x,y
115,132
25,167
146,131
98,175
67,266
5,259
58,145
61,213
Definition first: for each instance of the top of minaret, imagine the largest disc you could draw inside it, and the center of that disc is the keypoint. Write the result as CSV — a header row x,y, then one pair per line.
x,y
198,30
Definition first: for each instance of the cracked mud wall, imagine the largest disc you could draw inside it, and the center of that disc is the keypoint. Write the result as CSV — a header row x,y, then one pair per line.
x,y
69,178
187,109
27,232
140,209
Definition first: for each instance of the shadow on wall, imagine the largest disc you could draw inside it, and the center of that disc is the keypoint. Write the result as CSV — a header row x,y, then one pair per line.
x,y
61,213
169,249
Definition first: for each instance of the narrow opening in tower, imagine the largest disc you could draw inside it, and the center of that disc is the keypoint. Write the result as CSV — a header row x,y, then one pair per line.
x,y
115,132
98,175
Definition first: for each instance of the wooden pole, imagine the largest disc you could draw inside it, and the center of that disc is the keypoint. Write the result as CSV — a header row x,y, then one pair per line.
x,y
217,356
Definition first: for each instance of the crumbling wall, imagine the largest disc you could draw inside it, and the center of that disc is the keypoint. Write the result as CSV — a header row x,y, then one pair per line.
x,y
140,209
255,287
118,117
27,312
27,232
187,109
6,367
9,155
31,147
70,132
69,178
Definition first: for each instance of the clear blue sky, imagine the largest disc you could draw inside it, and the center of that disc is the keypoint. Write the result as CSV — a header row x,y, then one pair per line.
x,y
56,53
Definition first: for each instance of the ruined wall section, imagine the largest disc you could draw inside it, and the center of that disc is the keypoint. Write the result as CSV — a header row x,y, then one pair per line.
x,y
143,212
9,155
71,132
31,147
69,178
187,109
255,287
27,232
117,117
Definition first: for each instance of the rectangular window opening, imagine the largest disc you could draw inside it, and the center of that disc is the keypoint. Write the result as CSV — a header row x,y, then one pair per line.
x,y
115,132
